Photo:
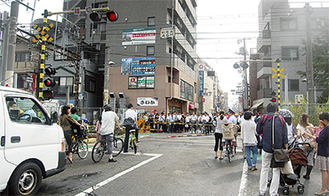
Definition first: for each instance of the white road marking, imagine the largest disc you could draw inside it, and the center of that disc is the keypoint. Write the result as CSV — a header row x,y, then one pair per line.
x,y
99,185
243,183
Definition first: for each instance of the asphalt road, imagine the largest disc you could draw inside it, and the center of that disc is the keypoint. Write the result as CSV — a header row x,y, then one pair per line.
x,y
164,166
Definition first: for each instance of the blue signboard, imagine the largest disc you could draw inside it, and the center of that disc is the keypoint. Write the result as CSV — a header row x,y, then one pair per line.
x,y
138,66
201,82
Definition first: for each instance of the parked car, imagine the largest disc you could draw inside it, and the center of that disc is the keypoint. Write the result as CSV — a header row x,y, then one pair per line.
x,y
32,144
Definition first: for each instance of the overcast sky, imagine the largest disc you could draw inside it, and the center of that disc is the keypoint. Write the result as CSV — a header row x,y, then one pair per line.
x,y
220,26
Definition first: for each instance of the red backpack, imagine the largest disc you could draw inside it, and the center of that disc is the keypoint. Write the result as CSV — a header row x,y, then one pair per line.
x,y
265,117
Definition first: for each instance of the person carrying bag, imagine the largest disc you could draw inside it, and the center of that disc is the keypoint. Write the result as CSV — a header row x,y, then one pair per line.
x,y
280,156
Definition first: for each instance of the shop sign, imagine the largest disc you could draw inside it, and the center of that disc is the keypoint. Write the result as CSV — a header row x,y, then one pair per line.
x,y
147,101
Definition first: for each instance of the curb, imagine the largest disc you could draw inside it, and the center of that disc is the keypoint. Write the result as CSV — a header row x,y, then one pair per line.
x,y
194,135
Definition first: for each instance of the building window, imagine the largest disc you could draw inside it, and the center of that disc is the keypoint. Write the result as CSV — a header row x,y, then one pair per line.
x,y
61,83
293,85
186,90
151,21
22,56
289,53
141,82
90,84
150,50
288,24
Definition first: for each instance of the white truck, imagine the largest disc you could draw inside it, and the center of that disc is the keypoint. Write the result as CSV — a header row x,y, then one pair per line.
x,y
32,144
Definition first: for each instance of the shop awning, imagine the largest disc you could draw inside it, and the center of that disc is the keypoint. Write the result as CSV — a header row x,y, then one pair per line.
x,y
256,105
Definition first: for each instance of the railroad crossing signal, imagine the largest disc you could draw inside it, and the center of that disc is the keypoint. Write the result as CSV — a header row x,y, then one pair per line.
x,y
278,72
43,33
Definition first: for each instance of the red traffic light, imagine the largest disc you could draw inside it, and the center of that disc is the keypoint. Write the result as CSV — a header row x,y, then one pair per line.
x,y
112,16
49,82
48,94
95,16
273,100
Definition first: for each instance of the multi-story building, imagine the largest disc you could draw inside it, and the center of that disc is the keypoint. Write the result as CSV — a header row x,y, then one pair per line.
x,y
282,31
149,68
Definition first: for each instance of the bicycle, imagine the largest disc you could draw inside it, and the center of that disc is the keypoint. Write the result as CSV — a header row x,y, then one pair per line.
x,y
133,140
229,150
79,145
100,147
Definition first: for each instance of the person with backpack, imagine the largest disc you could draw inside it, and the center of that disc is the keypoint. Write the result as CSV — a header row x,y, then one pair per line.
x,y
281,141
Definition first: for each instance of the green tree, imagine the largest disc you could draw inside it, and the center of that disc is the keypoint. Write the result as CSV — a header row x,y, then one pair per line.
x,y
321,62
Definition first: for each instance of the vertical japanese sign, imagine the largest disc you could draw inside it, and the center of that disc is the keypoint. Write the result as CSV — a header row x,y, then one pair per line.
x,y
201,82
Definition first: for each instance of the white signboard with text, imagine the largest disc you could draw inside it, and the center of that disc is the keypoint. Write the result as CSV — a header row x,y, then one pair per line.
x,y
147,101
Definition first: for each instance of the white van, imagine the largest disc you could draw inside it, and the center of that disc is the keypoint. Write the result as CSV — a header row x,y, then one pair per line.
x,y
32,145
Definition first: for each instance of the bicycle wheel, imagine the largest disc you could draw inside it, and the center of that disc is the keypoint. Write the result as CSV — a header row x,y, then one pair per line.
x,y
229,153
117,146
98,152
82,149
135,146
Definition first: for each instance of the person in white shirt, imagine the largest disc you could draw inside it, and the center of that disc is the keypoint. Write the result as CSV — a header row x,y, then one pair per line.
x,y
109,119
162,120
193,120
248,134
130,113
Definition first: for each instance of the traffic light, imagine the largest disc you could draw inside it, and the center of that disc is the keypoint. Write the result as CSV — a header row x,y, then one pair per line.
x,y
49,82
95,16
50,71
112,16
273,99
48,94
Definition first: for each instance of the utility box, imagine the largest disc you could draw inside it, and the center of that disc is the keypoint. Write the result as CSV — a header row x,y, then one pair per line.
x,y
122,100
113,100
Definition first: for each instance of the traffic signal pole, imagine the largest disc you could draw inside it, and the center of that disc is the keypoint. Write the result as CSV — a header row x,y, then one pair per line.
x,y
44,39
43,54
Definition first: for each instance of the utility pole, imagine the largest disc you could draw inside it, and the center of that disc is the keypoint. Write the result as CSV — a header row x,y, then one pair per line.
x,y
11,43
309,55
4,47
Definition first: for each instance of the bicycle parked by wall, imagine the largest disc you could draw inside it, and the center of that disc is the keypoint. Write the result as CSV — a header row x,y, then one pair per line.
x,y
100,148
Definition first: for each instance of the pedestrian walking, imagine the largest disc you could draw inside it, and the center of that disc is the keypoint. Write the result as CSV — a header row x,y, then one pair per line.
x,y
281,141
130,122
65,121
109,119
219,134
322,158
248,134
305,127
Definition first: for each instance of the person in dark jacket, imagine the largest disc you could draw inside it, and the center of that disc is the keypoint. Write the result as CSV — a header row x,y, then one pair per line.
x,y
281,141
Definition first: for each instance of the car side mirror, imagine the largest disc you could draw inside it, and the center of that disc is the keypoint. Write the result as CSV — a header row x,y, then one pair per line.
x,y
54,117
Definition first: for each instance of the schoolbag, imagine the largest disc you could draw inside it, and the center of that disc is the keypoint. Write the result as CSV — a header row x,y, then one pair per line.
x,y
265,117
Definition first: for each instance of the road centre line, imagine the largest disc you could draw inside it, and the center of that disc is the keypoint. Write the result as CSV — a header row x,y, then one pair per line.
x,y
99,185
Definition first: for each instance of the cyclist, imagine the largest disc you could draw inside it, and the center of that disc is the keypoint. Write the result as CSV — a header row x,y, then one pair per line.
x,y
109,119
130,123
